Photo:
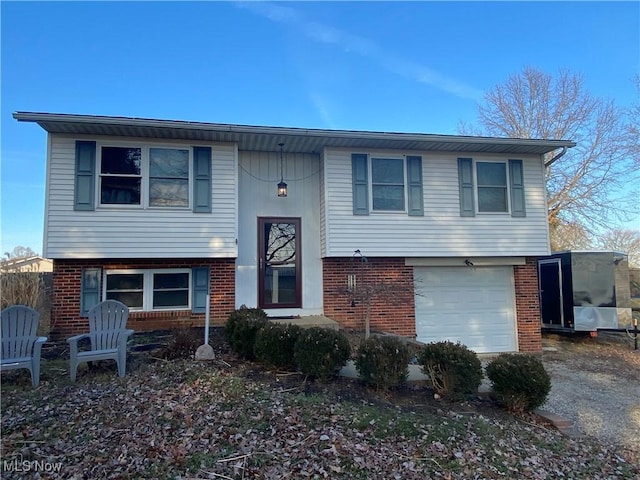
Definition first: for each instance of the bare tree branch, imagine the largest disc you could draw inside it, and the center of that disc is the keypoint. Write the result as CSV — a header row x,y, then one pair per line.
x,y
591,185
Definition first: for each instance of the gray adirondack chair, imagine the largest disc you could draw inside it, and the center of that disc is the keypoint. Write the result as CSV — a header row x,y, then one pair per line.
x,y
21,345
107,335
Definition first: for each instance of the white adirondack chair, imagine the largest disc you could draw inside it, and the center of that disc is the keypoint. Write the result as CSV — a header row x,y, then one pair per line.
x,y
21,345
108,336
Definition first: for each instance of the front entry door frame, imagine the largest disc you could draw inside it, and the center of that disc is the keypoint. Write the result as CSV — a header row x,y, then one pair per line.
x,y
266,263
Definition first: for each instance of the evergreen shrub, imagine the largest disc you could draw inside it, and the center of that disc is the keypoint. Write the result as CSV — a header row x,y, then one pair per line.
x,y
455,371
382,361
519,382
274,345
241,329
321,352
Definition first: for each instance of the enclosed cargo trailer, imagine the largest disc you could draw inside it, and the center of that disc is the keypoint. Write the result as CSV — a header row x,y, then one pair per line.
x,y
585,291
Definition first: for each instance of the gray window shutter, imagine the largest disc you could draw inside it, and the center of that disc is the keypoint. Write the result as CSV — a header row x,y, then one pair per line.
x,y
360,174
200,290
465,180
202,179
89,289
516,178
84,193
414,178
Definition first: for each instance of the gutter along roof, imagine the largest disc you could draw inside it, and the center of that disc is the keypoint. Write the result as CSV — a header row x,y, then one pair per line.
x,y
300,140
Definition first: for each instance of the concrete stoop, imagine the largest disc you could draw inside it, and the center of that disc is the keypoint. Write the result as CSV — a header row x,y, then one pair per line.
x,y
309,321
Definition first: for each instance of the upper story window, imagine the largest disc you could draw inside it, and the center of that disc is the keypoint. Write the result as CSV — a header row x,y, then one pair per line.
x,y
153,177
492,187
387,184
168,177
120,176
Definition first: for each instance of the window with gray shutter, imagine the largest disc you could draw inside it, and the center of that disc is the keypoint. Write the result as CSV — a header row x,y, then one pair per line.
x,y
89,289
200,290
516,179
414,179
465,180
84,196
360,171
202,179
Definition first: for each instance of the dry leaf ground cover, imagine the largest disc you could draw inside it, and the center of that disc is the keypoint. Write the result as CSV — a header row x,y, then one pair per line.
x,y
231,419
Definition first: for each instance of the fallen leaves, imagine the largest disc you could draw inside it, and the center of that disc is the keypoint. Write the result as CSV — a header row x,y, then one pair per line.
x,y
189,420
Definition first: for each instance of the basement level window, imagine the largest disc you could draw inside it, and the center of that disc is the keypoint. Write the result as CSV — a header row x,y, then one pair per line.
x,y
149,290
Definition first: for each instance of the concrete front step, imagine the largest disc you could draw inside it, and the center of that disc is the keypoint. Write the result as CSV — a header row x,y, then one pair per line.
x,y
309,321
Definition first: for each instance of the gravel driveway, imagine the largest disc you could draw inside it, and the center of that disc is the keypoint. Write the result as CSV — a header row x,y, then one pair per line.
x,y
596,385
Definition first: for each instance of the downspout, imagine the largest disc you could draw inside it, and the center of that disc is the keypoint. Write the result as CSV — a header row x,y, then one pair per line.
x,y
557,157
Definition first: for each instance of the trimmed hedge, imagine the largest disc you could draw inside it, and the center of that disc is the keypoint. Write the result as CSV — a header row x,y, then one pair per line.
x,y
321,352
274,345
382,361
454,370
519,382
241,329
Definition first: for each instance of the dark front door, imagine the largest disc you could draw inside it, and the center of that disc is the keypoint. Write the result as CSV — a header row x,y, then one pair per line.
x,y
550,278
279,275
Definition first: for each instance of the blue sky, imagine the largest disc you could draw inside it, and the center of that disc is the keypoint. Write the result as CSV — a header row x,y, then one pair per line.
x,y
410,66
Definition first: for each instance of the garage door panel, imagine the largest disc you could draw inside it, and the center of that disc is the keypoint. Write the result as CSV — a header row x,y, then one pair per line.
x,y
474,306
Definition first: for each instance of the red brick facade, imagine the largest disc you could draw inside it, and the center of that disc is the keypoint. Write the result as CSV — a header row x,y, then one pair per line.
x,y
528,307
67,274
384,283
387,282
393,305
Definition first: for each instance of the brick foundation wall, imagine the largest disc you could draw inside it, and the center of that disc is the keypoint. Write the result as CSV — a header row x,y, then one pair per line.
x,y
528,307
65,308
393,308
386,281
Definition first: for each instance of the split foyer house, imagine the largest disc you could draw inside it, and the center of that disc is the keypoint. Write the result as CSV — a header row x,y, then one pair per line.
x,y
158,214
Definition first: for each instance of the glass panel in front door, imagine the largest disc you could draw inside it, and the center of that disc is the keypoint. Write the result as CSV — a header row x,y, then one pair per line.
x,y
279,267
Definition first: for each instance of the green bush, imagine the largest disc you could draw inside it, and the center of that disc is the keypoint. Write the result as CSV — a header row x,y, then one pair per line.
x,y
241,328
519,382
383,362
321,352
274,345
455,371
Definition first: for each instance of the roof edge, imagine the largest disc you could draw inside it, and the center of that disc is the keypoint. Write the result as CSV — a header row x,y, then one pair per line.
x,y
41,117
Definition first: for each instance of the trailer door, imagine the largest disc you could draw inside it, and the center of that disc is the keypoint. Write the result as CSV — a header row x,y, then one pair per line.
x,y
550,278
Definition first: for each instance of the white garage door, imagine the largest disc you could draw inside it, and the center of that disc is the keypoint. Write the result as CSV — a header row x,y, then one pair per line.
x,y
474,306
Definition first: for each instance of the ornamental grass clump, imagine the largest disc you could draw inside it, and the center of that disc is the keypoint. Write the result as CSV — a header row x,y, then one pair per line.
x,y
382,361
321,352
241,329
519,382
455,371
274,345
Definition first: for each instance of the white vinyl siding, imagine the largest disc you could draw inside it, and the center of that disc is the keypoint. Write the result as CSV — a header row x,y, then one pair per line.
x,y
441,232
259,174
112,232
323,206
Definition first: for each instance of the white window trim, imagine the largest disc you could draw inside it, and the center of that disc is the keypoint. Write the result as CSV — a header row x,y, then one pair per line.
x,y
144,173
370,183
147,287
476,186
